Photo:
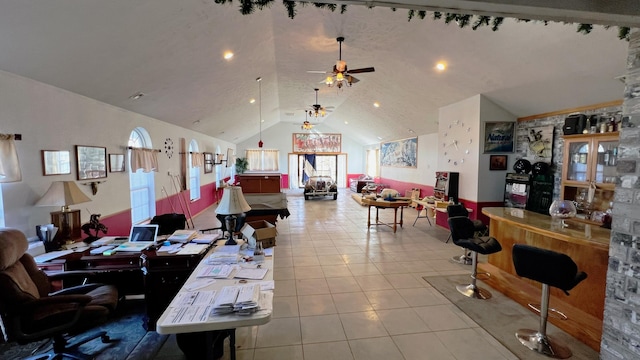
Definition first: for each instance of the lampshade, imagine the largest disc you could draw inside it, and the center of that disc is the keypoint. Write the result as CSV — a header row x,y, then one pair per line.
x,y
63,194
232,202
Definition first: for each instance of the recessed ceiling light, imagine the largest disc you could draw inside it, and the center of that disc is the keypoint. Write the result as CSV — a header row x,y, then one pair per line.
x,y
136,96
252,101
441,66
379,137
411,131
196,122
346,122
228,55
262,120
376,104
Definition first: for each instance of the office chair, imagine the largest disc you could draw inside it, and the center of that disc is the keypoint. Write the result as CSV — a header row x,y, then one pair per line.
x,y
169,223
30,311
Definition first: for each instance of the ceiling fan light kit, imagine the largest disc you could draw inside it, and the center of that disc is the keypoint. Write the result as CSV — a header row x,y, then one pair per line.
x,y
340,74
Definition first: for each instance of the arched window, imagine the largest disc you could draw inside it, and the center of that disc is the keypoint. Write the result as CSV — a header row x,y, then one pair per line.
x,y
141,184
194,172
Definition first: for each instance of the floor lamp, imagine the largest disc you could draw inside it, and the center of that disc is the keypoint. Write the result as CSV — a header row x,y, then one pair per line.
x,y
232,204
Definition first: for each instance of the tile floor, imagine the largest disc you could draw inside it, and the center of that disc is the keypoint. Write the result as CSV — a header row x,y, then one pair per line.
x,y
343,291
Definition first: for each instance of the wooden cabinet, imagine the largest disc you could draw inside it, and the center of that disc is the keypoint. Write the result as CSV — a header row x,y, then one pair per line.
x,y
590,161
259,183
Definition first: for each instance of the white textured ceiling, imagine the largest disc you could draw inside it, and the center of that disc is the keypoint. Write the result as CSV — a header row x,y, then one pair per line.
x,y
172,52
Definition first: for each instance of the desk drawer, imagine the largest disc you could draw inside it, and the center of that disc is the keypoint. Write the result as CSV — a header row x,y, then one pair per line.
x,y
161,263
111,263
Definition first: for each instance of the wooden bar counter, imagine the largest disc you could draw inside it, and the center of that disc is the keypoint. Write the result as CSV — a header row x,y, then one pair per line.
x,y
587,245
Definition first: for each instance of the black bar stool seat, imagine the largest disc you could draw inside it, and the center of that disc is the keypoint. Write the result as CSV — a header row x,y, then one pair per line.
x,y
551,269
463,235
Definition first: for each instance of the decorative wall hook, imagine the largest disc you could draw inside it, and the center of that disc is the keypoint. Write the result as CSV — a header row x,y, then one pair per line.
x,y
94,186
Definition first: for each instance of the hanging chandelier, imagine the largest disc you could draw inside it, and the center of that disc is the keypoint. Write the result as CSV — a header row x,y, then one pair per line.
x,y
306,125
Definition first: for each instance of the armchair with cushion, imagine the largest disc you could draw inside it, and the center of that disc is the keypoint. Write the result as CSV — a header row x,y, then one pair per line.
x,y
30,311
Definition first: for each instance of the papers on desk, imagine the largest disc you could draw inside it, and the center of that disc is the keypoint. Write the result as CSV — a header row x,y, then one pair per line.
x,y
217,271
206,238
190,307
242,300
251,273
192,249
51,255
183,236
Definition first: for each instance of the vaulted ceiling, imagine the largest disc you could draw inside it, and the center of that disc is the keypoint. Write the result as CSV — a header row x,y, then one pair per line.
x,y
172,52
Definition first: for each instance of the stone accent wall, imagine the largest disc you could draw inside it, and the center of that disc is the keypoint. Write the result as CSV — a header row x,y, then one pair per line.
x,y
522,130
621,331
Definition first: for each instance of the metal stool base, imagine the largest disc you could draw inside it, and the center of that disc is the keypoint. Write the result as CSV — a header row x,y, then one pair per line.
x,y
545,345
474,292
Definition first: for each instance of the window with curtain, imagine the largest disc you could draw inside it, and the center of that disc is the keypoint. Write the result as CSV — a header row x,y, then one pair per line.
x,y
263,160
373,161
195,160
141,181
2,223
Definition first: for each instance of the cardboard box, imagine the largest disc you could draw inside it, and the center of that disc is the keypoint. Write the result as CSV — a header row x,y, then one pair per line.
x,y
261,231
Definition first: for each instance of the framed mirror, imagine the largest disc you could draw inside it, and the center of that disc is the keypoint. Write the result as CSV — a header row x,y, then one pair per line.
x,y
56,162
92,162
116,162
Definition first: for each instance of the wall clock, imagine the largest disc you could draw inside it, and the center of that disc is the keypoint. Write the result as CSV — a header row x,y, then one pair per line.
x,y
457,143
168,147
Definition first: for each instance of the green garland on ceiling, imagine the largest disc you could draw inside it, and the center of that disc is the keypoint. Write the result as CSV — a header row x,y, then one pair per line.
x,y
248,7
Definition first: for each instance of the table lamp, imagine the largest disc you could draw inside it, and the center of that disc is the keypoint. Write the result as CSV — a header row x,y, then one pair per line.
x,y
232,204
63,194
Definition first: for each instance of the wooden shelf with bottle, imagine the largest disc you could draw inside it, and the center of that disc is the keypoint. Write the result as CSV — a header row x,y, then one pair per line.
x,y
589,173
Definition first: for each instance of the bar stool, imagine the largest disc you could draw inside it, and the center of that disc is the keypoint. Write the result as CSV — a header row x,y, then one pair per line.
x,y
463,234
551,269
480,228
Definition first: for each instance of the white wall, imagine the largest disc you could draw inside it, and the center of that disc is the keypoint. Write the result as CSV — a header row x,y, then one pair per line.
x,y
491,183
460,122
50,118
464,122
425,172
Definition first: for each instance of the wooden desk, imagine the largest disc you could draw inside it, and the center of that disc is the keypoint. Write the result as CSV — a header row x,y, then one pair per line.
x,y
401,203
159,276
219,322
587,245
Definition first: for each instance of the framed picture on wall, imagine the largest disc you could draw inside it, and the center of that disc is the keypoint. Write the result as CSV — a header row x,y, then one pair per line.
x,y
116,162
92,162
498,137
317,143
498,162
208,162
400,153
55,162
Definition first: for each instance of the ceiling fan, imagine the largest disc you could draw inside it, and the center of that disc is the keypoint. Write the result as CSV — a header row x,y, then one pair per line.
x,y
341,75
317,109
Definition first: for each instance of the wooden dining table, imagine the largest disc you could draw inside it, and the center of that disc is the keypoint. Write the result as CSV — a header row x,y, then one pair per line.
x,y
380,203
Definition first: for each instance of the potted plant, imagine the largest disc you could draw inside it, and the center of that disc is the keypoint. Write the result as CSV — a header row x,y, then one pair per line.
x,y
241,165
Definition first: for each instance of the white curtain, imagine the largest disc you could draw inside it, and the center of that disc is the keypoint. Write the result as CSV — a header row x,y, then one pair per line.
x,y
271,160
342,171
254,159
145,159
9,164
197,159
293,171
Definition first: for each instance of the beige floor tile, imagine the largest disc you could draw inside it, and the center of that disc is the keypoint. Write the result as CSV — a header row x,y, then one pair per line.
x,y
405,281
322,328
279,332
424,346
360,325
306,261
343,284
375,349
441,317
312,286
364,269
279,353
332,259
402,321
283,273
422,296
373,282
285,288
338,350
316,305
336,270
308,272
351,302
285,306
386,299
468,343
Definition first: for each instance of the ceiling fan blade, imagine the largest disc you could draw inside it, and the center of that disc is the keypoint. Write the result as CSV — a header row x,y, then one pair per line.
x,y
352,80
317,72
362,70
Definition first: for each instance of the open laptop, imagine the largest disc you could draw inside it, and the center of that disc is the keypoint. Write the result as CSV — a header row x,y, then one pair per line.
x,y
140,238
